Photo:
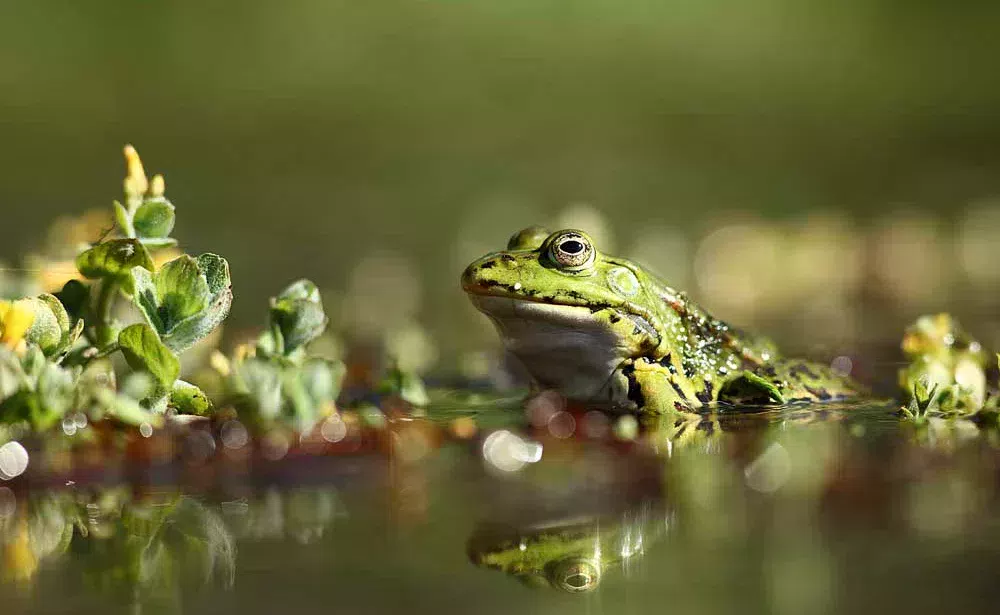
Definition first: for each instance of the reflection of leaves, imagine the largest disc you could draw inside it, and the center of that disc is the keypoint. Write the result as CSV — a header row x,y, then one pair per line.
x,y
44,532
156,549
303,514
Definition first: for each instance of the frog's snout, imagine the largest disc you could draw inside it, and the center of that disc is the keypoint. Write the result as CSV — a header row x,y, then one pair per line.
x,y
469,278
488,272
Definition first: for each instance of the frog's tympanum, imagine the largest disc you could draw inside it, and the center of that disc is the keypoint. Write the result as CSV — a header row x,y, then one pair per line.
x,y
947,359
602,329
571,555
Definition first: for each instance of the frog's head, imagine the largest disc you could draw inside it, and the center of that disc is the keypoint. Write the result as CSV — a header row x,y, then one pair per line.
x,y
568,558
570,554
570,313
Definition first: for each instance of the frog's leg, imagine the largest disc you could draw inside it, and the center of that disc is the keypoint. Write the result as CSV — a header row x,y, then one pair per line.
x,y
788,381
749,388
654,388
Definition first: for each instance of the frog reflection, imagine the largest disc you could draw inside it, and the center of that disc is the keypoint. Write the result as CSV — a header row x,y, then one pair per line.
x,y
571,555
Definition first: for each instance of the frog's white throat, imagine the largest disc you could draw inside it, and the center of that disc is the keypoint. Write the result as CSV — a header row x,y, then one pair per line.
x,y
565,348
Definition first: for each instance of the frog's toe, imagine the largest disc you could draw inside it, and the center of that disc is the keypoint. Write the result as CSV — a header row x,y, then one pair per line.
x,y
750,389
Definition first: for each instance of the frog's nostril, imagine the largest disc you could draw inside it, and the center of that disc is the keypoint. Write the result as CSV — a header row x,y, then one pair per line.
x,y
470,276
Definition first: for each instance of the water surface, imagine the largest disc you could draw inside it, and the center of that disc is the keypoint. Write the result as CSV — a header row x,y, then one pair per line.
x,y
788,511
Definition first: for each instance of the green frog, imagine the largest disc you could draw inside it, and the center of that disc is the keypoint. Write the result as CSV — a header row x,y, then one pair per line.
x,y
570,554
604,330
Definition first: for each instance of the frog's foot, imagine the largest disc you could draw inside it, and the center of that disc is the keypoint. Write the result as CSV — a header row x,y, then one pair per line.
x,y
653,389
789,381
749,388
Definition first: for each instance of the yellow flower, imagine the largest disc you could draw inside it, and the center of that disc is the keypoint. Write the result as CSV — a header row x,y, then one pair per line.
x,y
15,320
19,559
136,183
157,186
220,363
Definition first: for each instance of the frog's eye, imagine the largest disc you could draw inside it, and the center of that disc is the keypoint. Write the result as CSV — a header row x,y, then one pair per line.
x,y
572,250
575,575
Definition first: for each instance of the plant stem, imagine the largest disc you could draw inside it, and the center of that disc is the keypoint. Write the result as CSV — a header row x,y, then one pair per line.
x,y
105,302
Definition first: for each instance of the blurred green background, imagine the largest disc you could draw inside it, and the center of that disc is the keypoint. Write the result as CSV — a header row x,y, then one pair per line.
x,y
377,147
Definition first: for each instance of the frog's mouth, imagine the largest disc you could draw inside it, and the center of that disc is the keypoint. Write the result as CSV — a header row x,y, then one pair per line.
x,y
564,347
522,308
495,298
499,304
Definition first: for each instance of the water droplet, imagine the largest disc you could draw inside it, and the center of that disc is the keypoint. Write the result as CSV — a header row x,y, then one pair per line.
x,y
13,460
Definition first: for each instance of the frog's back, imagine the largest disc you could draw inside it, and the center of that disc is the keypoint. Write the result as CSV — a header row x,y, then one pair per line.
x,y
762,375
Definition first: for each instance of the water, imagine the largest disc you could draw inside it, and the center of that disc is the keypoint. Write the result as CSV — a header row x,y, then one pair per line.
x,y
787,511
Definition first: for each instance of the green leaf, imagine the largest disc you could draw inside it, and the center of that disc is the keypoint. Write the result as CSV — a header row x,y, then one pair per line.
x,y
122,219
45,330
186,398
185,300
216,270
262,383
137,386
187,333
301,290
42,396
50,330
143,350
158,242
154,218
113,259
269,342
181,291
322,379
298,314
11,373
25,405
74,296
67,334
145,298
405,384
71,337
126,409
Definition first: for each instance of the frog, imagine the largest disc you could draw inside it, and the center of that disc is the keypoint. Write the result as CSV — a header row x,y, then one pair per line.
x,y
946,361
572,554
607,331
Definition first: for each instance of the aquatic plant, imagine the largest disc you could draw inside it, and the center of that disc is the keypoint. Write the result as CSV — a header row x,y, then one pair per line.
x,y
275,378
944,361
54,348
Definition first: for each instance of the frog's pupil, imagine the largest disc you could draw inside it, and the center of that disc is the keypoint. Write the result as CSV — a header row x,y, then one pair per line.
x,y
578,580
572,246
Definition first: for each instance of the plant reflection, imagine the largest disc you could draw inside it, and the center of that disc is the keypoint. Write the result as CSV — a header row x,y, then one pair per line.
x,y
139,551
